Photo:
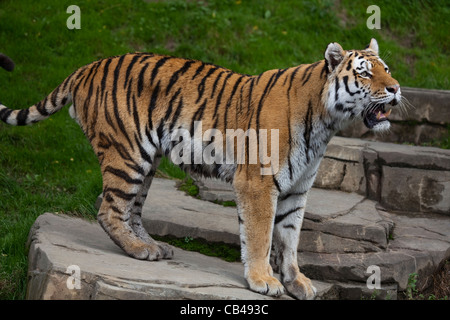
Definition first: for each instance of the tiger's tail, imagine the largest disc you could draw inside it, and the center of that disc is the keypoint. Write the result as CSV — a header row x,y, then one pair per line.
x,y
57,99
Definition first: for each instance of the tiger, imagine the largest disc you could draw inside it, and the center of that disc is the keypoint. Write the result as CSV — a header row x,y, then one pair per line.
x,y
129,106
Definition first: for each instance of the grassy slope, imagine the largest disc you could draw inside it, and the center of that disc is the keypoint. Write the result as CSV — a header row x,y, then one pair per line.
x,y
50,167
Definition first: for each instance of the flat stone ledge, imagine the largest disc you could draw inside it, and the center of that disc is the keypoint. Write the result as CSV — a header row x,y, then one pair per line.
x,y
400,177
168,211
429,105
412,244
59,242
352,222
391,154
342,235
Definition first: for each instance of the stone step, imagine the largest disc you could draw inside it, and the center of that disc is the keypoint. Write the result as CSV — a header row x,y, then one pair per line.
x,y
339,222
73,259
169,211
343,233
334,221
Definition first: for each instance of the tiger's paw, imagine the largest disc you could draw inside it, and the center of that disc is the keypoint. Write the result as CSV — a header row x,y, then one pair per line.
x,y
301,288
150,251
166,249
266,284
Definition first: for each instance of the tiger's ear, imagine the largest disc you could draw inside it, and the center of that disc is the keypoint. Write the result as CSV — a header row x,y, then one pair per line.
x,y
373,46
334,55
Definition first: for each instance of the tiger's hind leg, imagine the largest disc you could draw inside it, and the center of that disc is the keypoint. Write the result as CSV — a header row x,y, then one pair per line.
x,y
136,213
124,183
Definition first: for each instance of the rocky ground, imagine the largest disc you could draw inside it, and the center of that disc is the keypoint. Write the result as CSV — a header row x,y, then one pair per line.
x,y
343,235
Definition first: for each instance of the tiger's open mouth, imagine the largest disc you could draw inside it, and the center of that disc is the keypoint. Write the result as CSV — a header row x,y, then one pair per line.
x,y
376,114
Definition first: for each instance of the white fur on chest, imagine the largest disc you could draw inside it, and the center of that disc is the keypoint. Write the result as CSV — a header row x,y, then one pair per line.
x,y
298,172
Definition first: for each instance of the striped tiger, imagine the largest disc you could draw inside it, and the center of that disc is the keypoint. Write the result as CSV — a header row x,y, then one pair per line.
x,y
129,106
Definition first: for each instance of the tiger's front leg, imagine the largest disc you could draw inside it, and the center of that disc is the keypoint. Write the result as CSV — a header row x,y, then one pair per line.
x,y
256,203
288,223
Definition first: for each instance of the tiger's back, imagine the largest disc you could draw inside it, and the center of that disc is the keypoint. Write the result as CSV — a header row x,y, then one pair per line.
x,y
145,98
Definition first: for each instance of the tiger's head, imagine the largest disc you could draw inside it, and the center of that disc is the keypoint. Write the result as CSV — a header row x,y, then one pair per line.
x,y
360,85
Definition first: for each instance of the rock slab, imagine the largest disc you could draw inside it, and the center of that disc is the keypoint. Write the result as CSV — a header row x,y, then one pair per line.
x,y
342,235
345,221
402,178
65,249
341,238
73,259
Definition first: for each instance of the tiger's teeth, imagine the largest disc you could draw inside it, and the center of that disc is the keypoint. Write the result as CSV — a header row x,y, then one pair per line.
x,y
388,113
378,115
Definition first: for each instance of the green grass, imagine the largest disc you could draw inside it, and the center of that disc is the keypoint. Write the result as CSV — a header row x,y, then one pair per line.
x,y
188,185
50,166
438,290
443,143
227,252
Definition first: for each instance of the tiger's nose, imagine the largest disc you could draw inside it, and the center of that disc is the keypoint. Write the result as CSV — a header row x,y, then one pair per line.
x,y
393,89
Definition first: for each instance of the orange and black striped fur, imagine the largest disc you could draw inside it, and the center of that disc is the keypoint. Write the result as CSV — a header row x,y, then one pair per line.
x,y
129,106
